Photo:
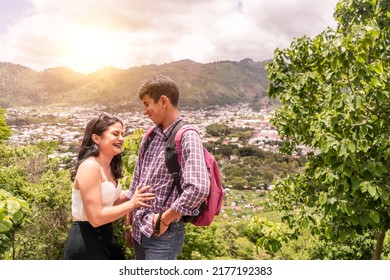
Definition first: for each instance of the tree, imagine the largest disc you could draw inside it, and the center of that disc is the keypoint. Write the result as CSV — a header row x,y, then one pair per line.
x,y
31,175
5,131
203,243
217,129
43,236
129,158
335,94
225,150
13,212
130,154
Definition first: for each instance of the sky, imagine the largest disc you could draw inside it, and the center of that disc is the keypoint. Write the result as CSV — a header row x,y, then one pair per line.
x,y
86,35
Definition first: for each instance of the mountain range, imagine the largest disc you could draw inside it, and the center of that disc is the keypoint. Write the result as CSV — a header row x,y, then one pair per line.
x,y
200,85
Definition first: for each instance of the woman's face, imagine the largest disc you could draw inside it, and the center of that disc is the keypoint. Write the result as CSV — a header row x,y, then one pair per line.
x,y
111,141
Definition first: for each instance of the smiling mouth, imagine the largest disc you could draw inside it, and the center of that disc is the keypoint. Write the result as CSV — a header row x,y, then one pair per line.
x,y
119,146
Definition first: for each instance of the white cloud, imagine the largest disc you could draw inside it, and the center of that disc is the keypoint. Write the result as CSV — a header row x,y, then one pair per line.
x,y
90,34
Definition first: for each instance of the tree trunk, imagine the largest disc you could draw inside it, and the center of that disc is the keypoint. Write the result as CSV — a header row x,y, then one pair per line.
x,y
379,245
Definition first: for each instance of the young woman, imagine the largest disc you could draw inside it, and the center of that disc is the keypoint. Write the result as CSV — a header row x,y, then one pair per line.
x,y
97,197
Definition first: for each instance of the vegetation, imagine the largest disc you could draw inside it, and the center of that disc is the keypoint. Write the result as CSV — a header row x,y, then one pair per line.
x,y
335,93
13,210
34,201
237,233
5,131
332,204
38,182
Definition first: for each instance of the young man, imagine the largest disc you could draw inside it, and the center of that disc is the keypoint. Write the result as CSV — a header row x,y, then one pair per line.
x,y
160,96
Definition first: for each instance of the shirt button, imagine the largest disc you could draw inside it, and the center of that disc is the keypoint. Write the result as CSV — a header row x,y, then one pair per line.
x,y
98,230
99,237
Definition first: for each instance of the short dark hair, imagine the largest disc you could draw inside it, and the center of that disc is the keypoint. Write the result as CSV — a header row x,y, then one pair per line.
x,y
160,85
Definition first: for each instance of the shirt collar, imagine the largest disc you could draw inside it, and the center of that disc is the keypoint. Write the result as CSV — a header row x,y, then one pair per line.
x,y
167,132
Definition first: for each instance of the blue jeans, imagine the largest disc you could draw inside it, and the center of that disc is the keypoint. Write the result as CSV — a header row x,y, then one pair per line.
x,y
165,247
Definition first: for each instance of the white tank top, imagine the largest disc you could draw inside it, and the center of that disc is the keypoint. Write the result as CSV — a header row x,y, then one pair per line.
x,y
110,193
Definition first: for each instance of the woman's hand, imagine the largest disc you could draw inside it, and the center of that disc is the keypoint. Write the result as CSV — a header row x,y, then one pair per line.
x,y
140,197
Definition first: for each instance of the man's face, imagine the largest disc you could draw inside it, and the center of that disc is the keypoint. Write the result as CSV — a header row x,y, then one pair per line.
x,y
153,110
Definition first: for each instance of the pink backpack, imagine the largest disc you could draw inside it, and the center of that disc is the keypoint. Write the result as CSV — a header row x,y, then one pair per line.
x,y
173,154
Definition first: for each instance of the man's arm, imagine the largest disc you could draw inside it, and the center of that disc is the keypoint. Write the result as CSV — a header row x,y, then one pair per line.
x,y
195,177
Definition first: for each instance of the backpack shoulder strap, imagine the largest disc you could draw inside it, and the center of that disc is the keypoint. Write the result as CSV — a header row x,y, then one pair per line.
x,y
147,139
179,136
171,159
171,155
148,133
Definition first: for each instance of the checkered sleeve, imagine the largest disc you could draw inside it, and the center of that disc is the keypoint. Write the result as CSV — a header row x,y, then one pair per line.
x,y
195,176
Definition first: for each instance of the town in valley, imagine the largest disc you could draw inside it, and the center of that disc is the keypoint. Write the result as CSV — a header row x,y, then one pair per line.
x,y
66,124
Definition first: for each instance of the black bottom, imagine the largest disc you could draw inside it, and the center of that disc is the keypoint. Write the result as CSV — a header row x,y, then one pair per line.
x,y
88,243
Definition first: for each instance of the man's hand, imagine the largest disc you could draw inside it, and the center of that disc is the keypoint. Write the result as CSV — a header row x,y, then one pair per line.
x,y
166,219
163,225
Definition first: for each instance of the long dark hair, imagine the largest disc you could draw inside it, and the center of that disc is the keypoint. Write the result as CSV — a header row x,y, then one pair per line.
x,y
88,147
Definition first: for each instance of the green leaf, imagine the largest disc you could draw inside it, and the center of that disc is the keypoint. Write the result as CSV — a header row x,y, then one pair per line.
x,y
376,83
364,219
305,222
5,225
323,198
347,171
375,216
12,206
275,245
384,194
355,220
377,67
371,189
342,236
371,166
363,131
363,186
380,169
348,209
328,232
358,102
17,217
342,150
331,176
356,182
351,146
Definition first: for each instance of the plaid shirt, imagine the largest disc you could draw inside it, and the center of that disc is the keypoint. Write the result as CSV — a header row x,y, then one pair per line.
x,y
151,171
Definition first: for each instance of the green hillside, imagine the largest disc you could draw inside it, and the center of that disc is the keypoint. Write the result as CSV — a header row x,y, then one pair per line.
x,y
201,85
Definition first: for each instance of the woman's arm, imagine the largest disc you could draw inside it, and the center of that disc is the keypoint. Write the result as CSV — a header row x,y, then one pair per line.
x,y
89,182
122,198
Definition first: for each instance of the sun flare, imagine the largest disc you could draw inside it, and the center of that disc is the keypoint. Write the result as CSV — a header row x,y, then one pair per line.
x,y
91,50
